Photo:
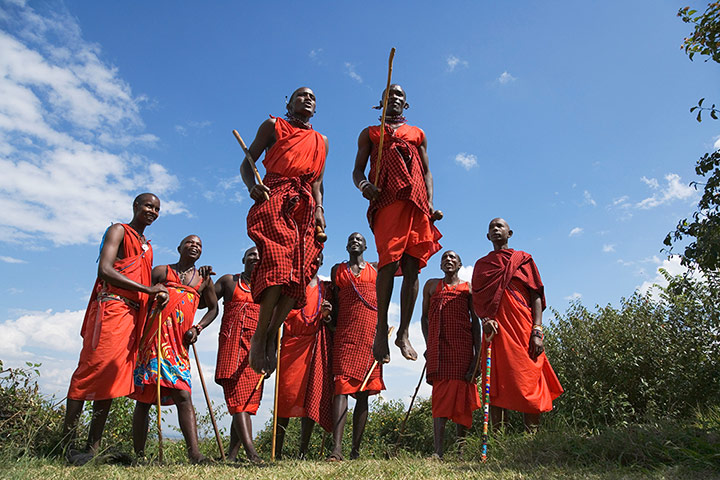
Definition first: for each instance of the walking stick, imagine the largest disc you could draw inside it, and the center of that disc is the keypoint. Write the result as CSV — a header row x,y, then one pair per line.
x,y
322,445
159,377
207,399
412,400
486,402
375,362
260,381
382,118
275,403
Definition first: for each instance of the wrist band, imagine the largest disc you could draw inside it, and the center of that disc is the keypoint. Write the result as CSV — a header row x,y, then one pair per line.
x,y
363,183
539,328
198,327
320,207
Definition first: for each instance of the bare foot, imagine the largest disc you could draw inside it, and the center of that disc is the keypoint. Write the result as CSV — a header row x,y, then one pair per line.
x,y
381,350
257,358
405,348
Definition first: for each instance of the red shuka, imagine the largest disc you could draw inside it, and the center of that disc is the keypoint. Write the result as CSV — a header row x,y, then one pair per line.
x,y
283,227
232,370
355,331
112,326
501,285
305,382
402,179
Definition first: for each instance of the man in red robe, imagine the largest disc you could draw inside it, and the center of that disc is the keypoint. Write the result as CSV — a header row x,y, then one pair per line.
x,y
355,315
305,385
187,286
453,347
401,214
509,296
288,207
112,325
232,370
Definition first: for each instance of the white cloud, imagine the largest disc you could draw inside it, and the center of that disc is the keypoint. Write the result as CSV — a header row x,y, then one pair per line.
x,y
11,260
575,231
350,71
315,54
506,78
62,180
588,198
607,248
573,296
673,190
467,160
716,145
453,62
670,265
48,331
465,273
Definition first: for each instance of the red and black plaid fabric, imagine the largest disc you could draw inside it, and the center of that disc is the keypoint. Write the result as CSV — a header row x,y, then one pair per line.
x,y
283,229
401,171
232,370
356,322
320,386
450,340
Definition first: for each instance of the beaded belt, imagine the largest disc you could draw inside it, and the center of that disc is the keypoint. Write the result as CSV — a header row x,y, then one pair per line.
x,y
105,296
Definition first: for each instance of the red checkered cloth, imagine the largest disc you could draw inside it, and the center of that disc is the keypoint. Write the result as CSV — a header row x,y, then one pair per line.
x,y
450,340
401,171
283,229
356,322
232,370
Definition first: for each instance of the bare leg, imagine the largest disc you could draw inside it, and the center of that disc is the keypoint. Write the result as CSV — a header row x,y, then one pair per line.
x,y
73,410
244,424
282,309
408,295
497,416
360,415
234,439
532,422
460,432
188,423
282,424
306,428
340,404
140,422
101,408
258,342
439,434
383,288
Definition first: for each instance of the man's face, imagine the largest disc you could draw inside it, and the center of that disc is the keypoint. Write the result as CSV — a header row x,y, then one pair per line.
x,y
450,262
396,100
499,231
356,243
302,102
147,209
252,256
191,247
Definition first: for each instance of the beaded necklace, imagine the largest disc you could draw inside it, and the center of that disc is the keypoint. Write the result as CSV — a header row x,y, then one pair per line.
x,y
352,282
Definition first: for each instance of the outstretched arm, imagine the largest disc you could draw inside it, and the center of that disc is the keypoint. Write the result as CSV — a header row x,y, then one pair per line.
x,y
264,139
369,190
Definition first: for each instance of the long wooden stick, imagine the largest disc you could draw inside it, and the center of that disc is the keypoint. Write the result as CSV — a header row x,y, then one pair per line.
x,y
251,160
412,400
260,382
384,111
486,403
372,368
159,378
275,403
207,399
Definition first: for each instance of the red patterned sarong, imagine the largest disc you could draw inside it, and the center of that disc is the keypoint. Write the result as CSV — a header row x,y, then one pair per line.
x,y
355,331
232,369
305,382
283,227
111,328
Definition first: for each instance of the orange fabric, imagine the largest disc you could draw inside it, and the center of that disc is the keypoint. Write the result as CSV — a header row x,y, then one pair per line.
x,y
407,132
517,382
456,400
402,228
111,328
250,408
296,151
345,385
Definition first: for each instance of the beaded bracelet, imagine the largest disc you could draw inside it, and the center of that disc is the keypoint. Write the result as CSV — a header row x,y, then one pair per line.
x,y
537,333
363,183
320,207
539,328
198,327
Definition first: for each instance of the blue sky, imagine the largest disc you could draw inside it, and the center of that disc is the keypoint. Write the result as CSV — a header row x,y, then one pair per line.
x,y
569,119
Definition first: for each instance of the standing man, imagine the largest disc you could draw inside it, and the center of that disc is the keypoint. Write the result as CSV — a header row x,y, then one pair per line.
x,y
305,385
288,207
187,286
356,317
509,296
401,214
453,342
113,322
232,370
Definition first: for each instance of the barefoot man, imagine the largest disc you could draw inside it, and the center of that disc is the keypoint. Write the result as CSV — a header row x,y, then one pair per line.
x,y
305,383
113,324
401,214
356,317
509,296
232,371
187,287
453,344
283,226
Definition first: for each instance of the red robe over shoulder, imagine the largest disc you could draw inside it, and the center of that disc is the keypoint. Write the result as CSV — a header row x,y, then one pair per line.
x,y
283,227
501,285
111,329
232,369
305,383
355,331
400,217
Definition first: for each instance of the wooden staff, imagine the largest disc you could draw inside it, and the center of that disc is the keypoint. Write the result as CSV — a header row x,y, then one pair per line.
x,y
486,402
262,377
382,118
250,158
375,362
275,403
159,377
207,399
412,400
